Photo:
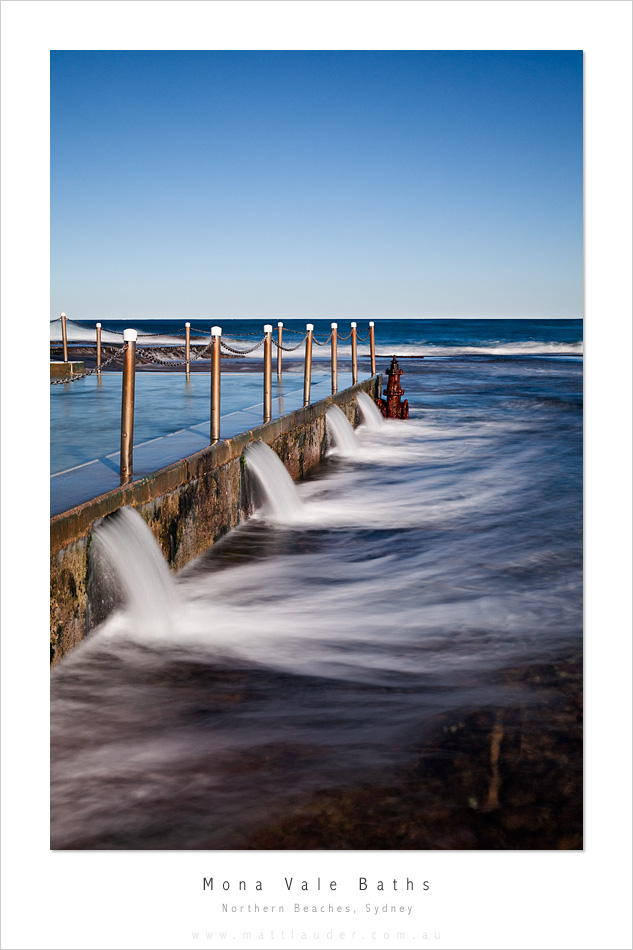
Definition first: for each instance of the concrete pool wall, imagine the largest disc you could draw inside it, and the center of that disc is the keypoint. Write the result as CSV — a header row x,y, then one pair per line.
x,y
187,505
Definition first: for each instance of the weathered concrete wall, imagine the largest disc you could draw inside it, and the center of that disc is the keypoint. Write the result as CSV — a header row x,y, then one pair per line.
x,y
187,505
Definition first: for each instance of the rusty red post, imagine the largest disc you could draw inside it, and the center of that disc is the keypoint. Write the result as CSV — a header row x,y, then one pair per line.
x,y
392,407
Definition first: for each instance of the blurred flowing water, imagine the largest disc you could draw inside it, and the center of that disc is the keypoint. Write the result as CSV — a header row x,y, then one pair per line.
x,y
343,440
395,665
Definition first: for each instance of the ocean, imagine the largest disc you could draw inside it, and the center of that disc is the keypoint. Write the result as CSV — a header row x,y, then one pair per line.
x,y
429,338
391,659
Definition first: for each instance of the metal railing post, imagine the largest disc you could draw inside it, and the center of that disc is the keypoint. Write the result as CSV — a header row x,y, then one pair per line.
x,y
280,331
98,349
334,328
64,337
354,356
308,365
216,333
127,406
372,348
268,369
187,346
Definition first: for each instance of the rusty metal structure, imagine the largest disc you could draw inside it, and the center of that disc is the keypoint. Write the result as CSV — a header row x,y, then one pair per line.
x,y
393,407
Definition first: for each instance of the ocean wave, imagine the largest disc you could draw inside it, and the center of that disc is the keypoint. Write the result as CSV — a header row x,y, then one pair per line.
x,y
77,333
497,348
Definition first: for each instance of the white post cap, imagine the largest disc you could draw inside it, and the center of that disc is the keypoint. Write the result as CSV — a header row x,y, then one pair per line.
x,y
309,326
98,325
130,336
268,328
187,324
353,325
371,323
62,314
280,324
334,326
216,331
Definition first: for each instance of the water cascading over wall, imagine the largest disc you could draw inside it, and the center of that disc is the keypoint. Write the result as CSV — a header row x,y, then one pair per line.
x,y
343,439
187,507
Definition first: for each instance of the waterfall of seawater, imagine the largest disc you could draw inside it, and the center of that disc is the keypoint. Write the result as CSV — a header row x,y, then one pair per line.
x,y
362,675
369,411
128,547
342,435
281,502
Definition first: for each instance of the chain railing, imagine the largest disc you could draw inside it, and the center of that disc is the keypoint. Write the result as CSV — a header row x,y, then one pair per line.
x,y
243,336
143,354
90,372
291,349
242,352
133,355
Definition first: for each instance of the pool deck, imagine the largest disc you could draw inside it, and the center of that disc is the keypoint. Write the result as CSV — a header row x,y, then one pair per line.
x,y
90,479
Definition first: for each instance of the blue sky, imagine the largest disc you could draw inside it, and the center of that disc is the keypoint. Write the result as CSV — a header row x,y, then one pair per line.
x,y
210,185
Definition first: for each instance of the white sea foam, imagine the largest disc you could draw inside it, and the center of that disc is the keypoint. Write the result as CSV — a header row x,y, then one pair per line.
x,y
77,333
519,348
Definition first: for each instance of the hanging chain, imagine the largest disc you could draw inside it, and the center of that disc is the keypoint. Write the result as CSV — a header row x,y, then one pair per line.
x,y
242,352
90,372
289,349
147,355
84,326
160,362
243,336
147,335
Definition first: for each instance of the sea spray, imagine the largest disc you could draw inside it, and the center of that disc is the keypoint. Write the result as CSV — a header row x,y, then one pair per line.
x,y
272,488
